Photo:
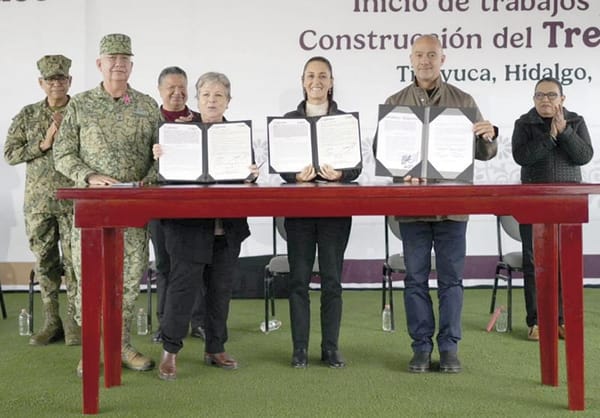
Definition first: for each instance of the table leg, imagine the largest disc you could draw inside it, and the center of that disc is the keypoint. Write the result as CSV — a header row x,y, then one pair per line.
x,y
571,269
91,300
545,239
113,305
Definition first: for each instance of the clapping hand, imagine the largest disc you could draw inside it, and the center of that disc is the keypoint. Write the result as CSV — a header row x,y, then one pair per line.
x,y
558,121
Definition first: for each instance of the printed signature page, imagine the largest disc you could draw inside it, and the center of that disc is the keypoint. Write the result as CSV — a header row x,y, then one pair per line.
x,y
182,151
229,151
289,145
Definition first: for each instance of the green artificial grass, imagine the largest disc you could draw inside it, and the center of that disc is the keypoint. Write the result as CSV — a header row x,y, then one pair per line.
x,y
501,375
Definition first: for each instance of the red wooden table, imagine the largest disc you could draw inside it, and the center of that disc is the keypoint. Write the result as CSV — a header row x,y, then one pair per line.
x,y
557,210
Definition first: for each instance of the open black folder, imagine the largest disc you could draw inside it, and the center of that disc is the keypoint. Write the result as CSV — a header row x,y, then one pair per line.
x,y
430,142
294,143
205,153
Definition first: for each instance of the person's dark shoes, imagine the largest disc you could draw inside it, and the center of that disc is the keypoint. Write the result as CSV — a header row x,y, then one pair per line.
x,y
333,358
300,358
157,337
420,362
449,362
222,360
167,369
198,332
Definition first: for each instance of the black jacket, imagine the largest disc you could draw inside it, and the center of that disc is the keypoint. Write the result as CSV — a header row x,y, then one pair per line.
x,y
193,239
348,174
547,160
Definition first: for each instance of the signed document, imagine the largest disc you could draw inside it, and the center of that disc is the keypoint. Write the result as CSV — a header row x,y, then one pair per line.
x,y
181,144
338,141
295,143
399,141
200,153
290,148
451,148
426,142
229,151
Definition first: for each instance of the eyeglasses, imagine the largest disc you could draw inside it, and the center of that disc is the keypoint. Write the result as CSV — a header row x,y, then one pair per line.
x,y
59,79
540,96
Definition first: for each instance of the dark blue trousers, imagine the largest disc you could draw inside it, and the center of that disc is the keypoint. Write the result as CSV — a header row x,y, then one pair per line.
x,y
447,238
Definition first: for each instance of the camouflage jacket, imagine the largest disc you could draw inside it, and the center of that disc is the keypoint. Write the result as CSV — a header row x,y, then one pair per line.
x,y
101,135
22,145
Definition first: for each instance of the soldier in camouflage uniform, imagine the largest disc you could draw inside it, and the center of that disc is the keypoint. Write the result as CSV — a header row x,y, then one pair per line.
x,y
106,137
48,221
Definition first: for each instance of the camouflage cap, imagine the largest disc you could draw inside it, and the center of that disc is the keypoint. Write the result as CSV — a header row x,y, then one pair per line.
x,y
53,65
115,43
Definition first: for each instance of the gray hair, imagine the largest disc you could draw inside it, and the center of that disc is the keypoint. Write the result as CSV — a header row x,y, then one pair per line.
x,y
214,77
429,36
170,70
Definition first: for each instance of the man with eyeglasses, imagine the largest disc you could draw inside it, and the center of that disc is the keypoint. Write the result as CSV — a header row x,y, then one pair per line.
x,y
48,221
550,144
106,138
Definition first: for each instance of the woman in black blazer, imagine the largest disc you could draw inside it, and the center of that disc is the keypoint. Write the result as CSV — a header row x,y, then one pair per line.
x,y
201,252
328,236
550,143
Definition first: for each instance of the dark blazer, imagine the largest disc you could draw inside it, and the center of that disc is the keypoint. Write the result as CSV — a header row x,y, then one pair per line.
x,y
192,239
348,174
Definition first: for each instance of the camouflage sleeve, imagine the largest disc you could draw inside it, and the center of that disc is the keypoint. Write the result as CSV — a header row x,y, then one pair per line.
x,y
152,176
18,147
66,148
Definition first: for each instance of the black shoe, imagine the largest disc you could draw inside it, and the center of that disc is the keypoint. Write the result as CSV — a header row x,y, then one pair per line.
x,y
157,337
333,358
300,358
198,332
420,362
449,362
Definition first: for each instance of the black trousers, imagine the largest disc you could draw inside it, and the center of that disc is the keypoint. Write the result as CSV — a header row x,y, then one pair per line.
x,y
329,237
529,278
186,277
163,267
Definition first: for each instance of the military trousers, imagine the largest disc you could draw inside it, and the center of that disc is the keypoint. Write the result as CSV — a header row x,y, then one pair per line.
x,y
49,237
135,264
